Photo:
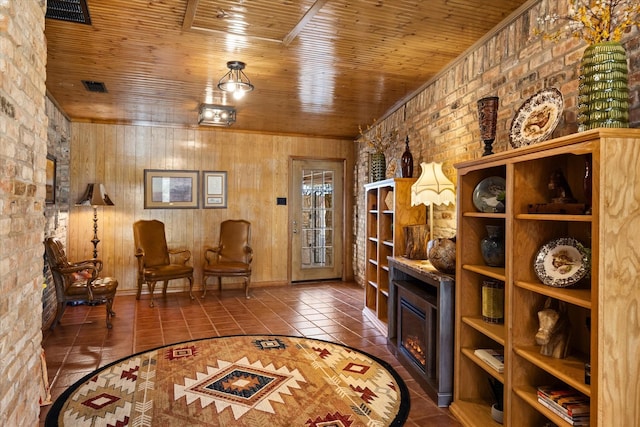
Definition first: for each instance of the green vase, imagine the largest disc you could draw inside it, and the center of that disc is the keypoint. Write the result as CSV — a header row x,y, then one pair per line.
x,y
603,90
378,166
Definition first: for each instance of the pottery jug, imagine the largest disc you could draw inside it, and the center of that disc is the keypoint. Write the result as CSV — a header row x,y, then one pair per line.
x,y
492,246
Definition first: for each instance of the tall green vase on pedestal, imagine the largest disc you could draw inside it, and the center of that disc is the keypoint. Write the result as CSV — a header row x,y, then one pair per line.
x,y
377,166
603,91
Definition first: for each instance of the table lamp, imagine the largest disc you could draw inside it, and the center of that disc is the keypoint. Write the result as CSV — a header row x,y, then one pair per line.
x,y
433,187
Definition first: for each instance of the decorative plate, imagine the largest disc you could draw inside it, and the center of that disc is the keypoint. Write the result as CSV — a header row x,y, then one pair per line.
x,y
537,118
562,262
485,195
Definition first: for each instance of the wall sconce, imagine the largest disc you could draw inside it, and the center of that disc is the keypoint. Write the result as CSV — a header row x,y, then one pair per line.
x,y
95,195
216,115
235,81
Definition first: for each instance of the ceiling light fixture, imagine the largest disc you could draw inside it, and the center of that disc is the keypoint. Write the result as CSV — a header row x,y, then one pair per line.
x,y
235,81
216,115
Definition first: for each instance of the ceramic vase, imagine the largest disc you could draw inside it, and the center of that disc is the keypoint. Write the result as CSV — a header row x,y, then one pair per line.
x,y
407,161
603,89
487,120
378,166
492,246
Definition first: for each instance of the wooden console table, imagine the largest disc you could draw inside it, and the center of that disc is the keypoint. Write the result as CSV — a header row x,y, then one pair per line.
x,y
415,286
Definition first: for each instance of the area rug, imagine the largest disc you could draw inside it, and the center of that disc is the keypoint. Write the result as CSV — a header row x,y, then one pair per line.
x,y
245,380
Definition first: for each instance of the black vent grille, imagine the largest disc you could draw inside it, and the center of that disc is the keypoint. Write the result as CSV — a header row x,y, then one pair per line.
x,y
94,86
68,10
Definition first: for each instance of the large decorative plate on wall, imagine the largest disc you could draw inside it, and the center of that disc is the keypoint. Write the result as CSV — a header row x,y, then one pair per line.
x,y
537,118
562,262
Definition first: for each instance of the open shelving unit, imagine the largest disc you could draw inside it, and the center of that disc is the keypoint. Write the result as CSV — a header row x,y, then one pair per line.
x,y
385,217
605,299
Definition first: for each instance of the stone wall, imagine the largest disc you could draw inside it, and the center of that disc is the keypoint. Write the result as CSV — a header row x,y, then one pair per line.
x,y
56,214
441,118
23,132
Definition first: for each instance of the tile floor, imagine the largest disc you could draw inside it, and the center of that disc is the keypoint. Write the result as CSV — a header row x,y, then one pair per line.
x,y
329,311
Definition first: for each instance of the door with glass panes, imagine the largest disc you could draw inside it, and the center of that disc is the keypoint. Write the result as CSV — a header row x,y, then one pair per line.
x,y
316,219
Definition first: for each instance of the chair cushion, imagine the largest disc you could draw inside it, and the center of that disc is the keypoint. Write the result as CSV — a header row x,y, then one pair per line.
x,y
228,267
101,287
169,271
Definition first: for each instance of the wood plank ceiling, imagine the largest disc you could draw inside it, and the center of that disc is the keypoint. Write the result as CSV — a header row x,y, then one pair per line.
x,y
319,67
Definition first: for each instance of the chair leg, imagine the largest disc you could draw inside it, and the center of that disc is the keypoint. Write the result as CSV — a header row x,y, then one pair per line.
x,y
204,285
152,287
247,282
164,289
191,287
59,311
139,288
110,312
220,283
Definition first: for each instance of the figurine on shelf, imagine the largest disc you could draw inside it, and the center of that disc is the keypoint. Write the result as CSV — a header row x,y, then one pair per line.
x,y
553,333
560,190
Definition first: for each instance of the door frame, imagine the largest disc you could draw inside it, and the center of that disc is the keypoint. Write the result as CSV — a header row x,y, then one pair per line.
x,y
291,213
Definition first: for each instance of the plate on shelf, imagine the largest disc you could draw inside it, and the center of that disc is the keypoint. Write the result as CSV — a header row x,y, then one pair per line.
x,y
562,262
537,118
486,193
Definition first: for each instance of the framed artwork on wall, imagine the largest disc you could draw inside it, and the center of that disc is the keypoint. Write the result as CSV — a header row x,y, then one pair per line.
x,y
50,183
171,189
214,189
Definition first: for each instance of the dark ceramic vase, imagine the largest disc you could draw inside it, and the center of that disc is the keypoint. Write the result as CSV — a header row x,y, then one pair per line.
x,y
492,246
407,161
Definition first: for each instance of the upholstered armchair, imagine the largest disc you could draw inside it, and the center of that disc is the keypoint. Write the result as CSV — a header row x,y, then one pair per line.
x,y
156,262
78,281
232,257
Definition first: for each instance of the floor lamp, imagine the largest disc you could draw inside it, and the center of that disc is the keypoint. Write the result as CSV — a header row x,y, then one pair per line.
x,y
95,195
432,188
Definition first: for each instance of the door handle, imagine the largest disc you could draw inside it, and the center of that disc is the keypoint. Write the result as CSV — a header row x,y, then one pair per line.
x,y
295,227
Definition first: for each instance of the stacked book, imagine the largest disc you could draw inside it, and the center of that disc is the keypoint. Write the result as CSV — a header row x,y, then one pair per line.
x,y
568,404
492,357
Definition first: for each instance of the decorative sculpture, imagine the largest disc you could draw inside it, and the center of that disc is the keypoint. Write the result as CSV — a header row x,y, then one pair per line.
x,y
554,330
560,190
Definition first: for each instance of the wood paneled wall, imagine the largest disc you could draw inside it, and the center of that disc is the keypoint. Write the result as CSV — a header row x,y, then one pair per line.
x,y
258,173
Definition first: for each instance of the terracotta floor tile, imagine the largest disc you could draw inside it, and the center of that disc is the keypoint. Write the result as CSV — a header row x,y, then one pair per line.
x,y
326,311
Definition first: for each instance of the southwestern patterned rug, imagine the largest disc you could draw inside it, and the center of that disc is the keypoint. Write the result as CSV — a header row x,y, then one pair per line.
x,y
248,380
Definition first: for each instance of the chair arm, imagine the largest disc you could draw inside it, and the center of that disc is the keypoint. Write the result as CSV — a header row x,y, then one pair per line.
x,y
248,253
77,267
211,254
186,254
95,261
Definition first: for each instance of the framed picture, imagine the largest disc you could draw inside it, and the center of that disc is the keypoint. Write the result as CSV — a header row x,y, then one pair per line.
x,y
214,189
167,189
50,183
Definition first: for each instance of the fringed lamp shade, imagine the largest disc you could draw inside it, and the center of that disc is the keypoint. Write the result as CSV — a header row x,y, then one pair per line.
x,y
432,188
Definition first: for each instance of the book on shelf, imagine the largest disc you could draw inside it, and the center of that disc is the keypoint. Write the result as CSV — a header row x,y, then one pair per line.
x,y
493,357
570,405
577,420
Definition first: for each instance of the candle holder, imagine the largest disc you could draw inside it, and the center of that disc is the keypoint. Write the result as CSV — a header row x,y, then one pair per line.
x,y
487,119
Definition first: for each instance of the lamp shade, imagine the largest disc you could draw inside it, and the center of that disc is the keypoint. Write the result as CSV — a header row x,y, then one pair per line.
x,y
95,195
433,187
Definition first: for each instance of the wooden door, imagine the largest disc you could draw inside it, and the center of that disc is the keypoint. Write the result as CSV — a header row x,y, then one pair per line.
x,y
316,219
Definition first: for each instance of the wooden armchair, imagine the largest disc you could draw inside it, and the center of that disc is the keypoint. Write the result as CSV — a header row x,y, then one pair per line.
x,y
155,258
78,281
232,257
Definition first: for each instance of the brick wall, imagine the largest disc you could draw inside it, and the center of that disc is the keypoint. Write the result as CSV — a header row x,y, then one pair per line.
x,y
57,214
23,150
441,119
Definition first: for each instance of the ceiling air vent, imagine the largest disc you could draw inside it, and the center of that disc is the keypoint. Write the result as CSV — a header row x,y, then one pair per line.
x,y
94,86
69,10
